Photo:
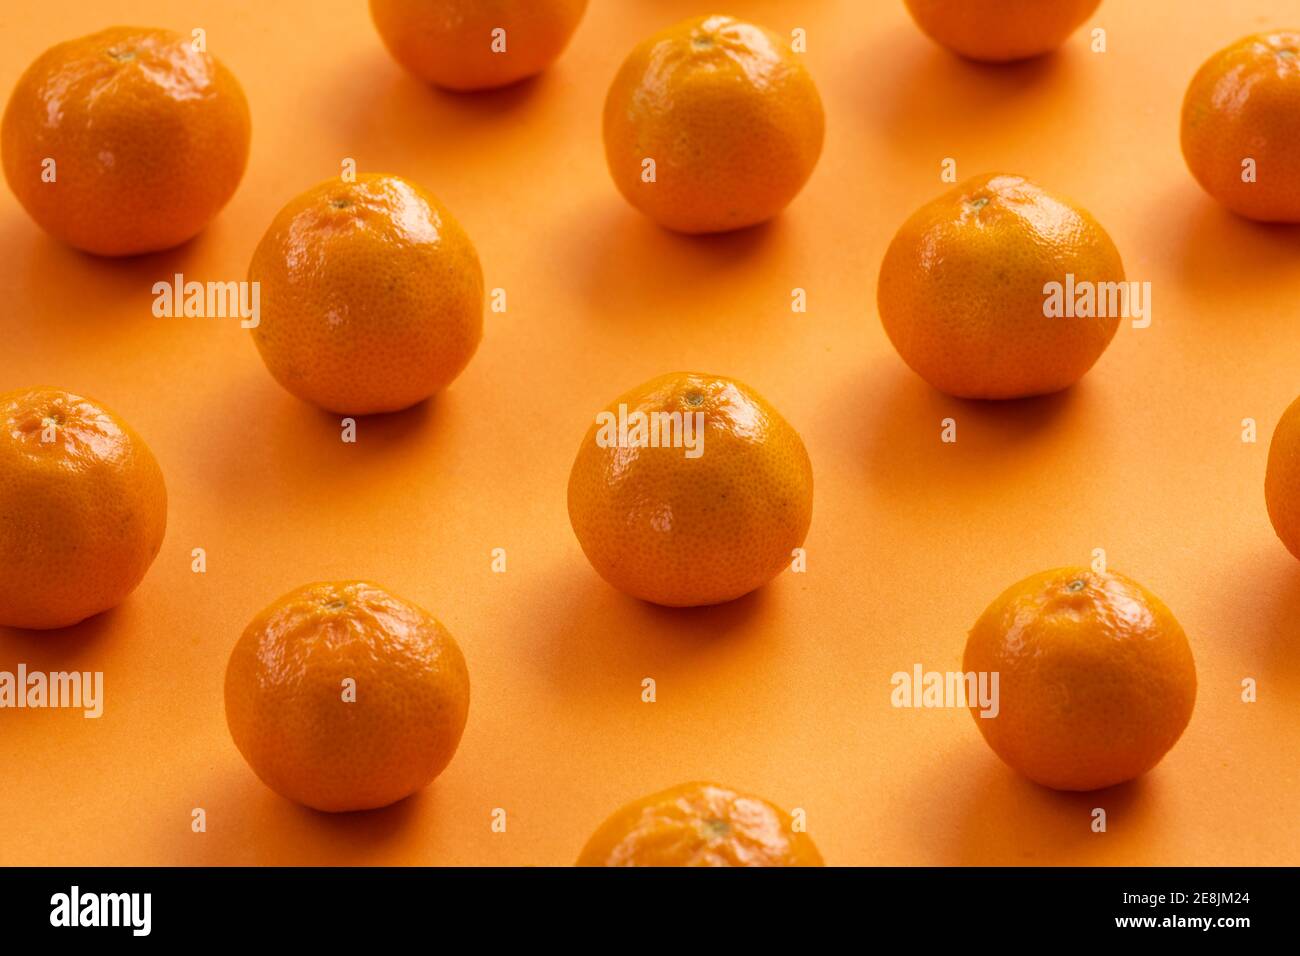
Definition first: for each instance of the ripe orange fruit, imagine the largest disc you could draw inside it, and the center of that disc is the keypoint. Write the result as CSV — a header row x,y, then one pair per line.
x,y
83,508
668,525
342,696
1096,679
699,824
148,138
371,295
1000,30
476,44
729,116
1282,479
1244,104
963,286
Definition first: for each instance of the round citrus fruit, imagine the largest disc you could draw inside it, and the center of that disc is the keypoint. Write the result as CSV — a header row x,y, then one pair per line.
x,y
371,295
476,44
83,508
699,824
342,696
997,31
1241,126
1095,678
690,489
125,141
712,125
1282,479
964,290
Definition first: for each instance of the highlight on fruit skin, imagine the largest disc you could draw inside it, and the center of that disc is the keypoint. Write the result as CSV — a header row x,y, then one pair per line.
x,y
342,696
963,290
467,45
371,295
700,824
1096,680
1000,31
125,141
711,125
1240,126
83,508
702,498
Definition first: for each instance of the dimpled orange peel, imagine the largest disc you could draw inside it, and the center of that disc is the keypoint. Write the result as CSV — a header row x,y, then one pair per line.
x,y
699,824
371,295
668,525
83,508
342,696
712,124
476,44
1241,126
963,287
998,31
126,141
1095,678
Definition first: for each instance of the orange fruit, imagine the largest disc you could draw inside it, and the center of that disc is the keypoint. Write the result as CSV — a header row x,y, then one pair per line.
x,y
476,44
342,696
1244,104
699,824
998,31
83,508
665,524
1096,680
962,290
371,295
148,139
1282,479
729,116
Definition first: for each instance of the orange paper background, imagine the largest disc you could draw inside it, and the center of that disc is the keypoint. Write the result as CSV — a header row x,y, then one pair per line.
x,y
785,693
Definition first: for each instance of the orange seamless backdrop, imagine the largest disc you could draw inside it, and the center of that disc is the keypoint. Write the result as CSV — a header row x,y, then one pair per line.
x,y
785,693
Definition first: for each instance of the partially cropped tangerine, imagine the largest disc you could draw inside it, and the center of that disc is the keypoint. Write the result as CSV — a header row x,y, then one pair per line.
x,y
476,44
371,295
343,696
126,141
83,508
711,125
1241,126
964,287
998,31
1282,479
700,824
1095,678
690,489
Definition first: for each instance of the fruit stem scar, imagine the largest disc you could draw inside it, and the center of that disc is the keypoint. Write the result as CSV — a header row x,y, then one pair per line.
x,y
694,398
337,604
716,827
340,203
1075,585
980,203
121,56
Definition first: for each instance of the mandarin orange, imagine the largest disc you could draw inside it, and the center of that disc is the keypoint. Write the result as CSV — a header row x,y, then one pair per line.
x,y
1241,126
1282,479
998,31
700,520
699,824
342,696
711,125
1095,678
371,295
964,285
125,141
476,44
83,508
